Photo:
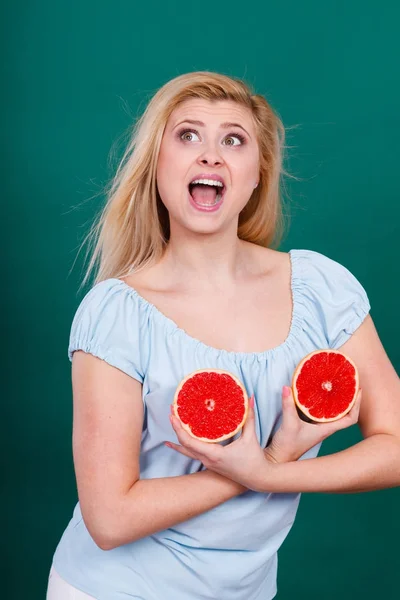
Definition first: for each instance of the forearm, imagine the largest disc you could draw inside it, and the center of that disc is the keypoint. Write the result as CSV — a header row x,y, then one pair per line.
x,y
372,464
152,505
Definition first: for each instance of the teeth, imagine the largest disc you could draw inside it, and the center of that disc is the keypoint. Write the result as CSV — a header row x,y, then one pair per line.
x,y
208,182
217,199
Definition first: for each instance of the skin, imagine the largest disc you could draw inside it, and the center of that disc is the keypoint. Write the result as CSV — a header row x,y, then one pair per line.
x,y
200,281
233,295
212,149
373,463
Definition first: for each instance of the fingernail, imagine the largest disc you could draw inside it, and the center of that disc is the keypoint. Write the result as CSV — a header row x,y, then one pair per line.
x,y
286,391
167,444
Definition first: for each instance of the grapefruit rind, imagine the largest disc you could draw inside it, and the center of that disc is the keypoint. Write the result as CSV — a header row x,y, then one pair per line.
x,y
187,428
303,409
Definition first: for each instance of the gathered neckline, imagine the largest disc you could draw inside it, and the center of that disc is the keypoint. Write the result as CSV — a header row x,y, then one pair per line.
x,y
295,322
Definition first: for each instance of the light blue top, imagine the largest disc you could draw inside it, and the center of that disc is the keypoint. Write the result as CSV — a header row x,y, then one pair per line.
x,y
229,552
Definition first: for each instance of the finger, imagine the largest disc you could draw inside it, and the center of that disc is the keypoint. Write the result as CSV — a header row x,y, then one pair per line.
x,y
353,414
350,419
182,450
290,416
357,403
182,435
289,410
202,450
248,429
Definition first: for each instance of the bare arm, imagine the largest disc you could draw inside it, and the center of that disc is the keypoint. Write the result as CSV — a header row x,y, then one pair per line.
x,y
116,505
373,463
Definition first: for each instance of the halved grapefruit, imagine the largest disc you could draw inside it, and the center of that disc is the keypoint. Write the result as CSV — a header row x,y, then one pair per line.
x,y
325,385
211,404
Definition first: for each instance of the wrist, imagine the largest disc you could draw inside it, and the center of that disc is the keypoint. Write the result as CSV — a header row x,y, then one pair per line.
x,y
278,453
263,481
232,488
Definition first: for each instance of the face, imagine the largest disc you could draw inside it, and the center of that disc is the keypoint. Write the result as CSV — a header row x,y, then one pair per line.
x,y
212,142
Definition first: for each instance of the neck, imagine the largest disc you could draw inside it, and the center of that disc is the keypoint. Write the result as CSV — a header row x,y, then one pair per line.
x,y
213,261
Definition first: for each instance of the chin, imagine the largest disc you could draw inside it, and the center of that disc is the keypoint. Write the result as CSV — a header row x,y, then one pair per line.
x,y
202,228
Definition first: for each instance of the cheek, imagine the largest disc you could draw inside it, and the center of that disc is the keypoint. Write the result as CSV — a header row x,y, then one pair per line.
x,y
163,162
169,174
247,174
165,167
170,163
246,166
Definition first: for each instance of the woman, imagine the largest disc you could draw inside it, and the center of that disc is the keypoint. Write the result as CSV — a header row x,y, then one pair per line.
x,y
187,280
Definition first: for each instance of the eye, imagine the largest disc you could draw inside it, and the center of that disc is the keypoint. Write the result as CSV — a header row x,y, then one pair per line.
x,y
234,136
187,135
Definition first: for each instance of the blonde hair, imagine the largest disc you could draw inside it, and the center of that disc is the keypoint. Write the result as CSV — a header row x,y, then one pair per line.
x,y
132,230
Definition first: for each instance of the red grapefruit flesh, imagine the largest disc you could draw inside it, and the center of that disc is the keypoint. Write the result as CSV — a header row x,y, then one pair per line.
x,y
211,404
325,385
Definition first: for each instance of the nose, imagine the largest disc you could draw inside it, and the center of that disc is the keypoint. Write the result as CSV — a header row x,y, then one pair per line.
x,y
210,156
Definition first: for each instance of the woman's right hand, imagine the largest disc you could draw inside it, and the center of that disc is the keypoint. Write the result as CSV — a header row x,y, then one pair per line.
x,y
295,436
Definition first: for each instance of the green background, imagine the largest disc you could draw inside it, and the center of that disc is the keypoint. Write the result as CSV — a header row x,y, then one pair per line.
x,y
75,76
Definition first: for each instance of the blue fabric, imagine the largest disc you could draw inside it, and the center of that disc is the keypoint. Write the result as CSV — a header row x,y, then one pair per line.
x,y
229,552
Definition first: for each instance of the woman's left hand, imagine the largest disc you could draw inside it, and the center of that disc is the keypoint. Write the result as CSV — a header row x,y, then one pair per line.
x,y
243,460
295,436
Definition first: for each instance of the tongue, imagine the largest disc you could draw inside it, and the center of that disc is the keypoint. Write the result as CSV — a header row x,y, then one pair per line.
x,y
204,194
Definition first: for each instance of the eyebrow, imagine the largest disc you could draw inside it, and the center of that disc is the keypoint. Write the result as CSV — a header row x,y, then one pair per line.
x,y
226,125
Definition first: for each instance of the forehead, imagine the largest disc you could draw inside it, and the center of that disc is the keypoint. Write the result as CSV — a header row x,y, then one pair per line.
x,y
210,111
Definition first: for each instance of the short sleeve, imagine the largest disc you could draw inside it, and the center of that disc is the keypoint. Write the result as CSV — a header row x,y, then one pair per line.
x,y
109,324
334,298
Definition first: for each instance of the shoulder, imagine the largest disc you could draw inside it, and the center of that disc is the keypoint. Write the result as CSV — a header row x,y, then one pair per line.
x,y
267,260
308,268
109,294
100,292
327,292
311,262
328,277
110,307
112,323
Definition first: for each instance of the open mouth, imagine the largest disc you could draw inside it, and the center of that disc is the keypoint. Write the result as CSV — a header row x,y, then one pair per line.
x,y
206,193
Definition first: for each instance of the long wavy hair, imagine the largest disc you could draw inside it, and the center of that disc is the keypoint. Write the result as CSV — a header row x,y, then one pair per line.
x,y
132,229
